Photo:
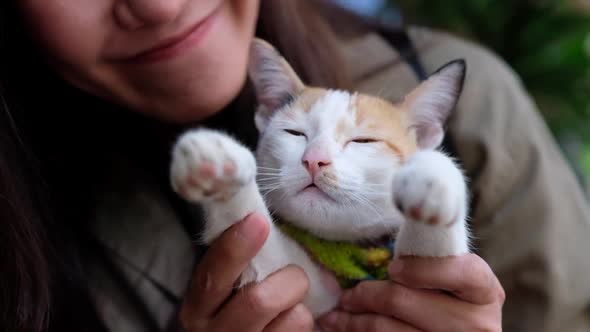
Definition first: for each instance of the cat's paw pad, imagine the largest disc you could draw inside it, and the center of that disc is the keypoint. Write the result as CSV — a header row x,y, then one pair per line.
x,y
426,195
210,166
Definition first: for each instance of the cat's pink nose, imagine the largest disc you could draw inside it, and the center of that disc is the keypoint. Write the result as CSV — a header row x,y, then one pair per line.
x,y
314,160
314,166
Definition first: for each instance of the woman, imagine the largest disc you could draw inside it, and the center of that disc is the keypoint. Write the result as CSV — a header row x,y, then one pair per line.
x,y
95,240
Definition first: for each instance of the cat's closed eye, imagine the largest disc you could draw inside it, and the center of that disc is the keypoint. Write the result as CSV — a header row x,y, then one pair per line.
x,y
364,140
295,132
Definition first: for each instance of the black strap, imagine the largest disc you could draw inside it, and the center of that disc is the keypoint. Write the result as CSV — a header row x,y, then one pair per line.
x,y
392,30
398,38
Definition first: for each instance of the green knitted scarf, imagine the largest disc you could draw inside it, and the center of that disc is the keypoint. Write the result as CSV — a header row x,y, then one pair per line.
x,y
351,263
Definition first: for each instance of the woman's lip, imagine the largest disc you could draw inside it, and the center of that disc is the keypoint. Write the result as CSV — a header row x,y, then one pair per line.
x,y
174,46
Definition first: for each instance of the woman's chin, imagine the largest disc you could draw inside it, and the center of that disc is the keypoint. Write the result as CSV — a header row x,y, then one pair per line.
x,y
188,108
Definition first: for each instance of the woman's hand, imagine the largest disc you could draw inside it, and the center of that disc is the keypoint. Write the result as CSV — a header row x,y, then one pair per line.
x,y
427,294
272,305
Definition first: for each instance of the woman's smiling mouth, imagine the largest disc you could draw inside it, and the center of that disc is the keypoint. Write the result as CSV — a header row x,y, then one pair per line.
x,y
174,46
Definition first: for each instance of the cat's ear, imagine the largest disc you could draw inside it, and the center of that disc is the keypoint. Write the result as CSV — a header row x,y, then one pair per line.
x,y
431,103
274,80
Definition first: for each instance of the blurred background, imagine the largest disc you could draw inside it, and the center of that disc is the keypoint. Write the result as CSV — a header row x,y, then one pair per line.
x,y
547,42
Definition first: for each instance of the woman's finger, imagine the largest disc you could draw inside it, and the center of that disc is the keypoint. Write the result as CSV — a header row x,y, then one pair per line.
x,y
214,278
253,307
340,321
296,319
428,310
468,277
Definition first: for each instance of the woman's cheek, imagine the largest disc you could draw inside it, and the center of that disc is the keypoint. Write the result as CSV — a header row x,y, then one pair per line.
x,y
70,33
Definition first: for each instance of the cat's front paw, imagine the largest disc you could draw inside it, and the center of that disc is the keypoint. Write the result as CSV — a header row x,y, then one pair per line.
x,y
430,189
210,166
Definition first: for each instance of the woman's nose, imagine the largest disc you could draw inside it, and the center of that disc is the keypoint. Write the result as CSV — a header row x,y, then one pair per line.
x,y
136,14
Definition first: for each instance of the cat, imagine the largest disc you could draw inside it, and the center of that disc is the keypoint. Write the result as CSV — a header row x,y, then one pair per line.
x,y
343,166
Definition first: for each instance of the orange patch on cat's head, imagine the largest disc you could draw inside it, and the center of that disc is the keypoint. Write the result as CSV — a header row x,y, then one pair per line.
x,y
308,97
388,122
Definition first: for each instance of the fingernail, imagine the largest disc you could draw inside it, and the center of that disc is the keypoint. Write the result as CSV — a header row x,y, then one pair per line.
x,y
328,321
396,267
252,228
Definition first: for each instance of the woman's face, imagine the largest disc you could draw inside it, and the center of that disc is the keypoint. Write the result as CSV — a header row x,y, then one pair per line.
x,y
177,60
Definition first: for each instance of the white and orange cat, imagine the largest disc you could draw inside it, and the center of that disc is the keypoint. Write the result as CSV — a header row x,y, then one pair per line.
x,y
344,166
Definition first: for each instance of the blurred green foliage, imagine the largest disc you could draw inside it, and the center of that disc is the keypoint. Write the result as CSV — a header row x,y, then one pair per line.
x,y
546,42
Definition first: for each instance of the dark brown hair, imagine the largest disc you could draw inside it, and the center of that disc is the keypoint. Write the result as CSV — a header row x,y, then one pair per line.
x,y
305,39
42,234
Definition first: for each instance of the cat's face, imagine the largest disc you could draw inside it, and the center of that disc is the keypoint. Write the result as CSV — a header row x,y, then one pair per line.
x,y
327,158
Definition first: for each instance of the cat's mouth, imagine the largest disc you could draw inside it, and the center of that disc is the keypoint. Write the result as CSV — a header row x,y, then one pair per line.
x,y
313,190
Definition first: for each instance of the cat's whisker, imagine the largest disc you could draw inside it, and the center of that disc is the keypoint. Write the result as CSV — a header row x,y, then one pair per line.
x,y
355,226
275,177
363,200
269,168
278,179
267,188
270,184
370,185
267,182
280,201
265,194
366,191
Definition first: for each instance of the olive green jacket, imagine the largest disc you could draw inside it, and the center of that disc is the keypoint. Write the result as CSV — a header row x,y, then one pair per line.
x,y
530,219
